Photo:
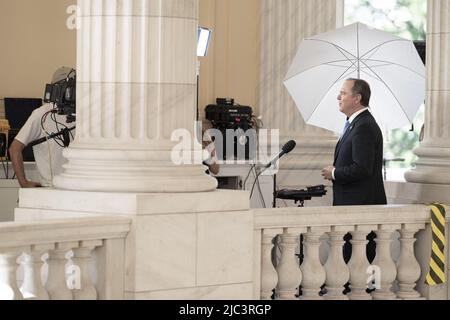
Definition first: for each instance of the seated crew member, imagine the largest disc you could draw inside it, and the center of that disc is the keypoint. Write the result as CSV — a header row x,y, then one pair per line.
x,y
48,155
211,161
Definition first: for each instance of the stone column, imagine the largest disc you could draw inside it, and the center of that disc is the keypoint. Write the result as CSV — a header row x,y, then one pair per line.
x,y
284,25
136,84
433,166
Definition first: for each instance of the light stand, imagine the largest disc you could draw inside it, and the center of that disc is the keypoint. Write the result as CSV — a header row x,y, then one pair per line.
x,y
198,89
204,36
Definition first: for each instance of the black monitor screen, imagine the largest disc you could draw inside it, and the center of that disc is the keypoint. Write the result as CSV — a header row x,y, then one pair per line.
x,y
17,111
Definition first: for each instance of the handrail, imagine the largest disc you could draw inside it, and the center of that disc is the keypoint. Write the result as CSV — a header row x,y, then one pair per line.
x,y
18,234
341,216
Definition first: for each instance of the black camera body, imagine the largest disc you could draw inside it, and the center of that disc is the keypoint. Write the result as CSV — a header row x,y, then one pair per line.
x,y
225,114
63,95
235,123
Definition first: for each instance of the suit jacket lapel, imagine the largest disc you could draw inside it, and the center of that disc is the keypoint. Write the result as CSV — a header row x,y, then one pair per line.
x,y
341,141
347,133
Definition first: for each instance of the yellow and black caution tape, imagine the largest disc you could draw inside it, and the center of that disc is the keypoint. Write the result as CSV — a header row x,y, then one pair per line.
x,y
436,275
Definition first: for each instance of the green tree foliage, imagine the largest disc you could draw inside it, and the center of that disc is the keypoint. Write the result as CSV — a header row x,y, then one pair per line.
x,y
407,19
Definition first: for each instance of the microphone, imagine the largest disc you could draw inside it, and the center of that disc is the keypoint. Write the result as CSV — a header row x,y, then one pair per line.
x,y
64,132
284,150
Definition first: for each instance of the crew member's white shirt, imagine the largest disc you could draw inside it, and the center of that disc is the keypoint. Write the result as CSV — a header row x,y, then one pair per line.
x,y
48,155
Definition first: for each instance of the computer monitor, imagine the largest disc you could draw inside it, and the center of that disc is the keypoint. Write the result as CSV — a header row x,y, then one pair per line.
x,y
17,111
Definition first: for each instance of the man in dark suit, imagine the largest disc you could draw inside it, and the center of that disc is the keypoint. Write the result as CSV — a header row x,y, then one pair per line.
x,y
358,158
357,170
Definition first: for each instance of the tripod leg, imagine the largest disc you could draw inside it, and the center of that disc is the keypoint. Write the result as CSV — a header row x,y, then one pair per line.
x,y
274,190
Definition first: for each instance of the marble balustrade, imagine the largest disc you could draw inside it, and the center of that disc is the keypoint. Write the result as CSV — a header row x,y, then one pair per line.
x,y
54,259
397,271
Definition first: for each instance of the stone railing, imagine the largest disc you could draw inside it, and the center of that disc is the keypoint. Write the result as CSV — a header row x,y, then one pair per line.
x,y
81,259
398,269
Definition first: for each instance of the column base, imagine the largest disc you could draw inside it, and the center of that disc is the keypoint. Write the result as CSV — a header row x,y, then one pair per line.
x,y
198,182
433,166
150,169
180,246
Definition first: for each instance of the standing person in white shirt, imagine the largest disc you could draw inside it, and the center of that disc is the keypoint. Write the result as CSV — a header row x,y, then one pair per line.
x,y
48,155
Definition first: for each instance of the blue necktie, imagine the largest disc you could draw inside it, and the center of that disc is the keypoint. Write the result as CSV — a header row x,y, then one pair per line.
x,y
347,124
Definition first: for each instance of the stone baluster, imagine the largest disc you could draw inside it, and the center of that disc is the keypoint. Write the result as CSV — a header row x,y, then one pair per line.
x,y
82,257
384,264
32,287
289,274
56,283
358,264
408,268
8,268
313,272
269,276
337,271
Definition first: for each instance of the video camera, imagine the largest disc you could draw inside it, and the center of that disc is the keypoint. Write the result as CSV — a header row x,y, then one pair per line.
x,y
226,114
63,94
234,122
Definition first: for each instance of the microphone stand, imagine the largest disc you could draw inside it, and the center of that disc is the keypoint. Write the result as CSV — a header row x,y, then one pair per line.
x,y
274,202
274,191
285,150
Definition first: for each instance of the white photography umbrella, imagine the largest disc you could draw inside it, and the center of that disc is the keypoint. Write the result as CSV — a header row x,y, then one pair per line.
x,y
391,65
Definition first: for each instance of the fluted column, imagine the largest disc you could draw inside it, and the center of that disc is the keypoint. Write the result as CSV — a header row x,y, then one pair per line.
x,y
433,166
136,84
284,25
